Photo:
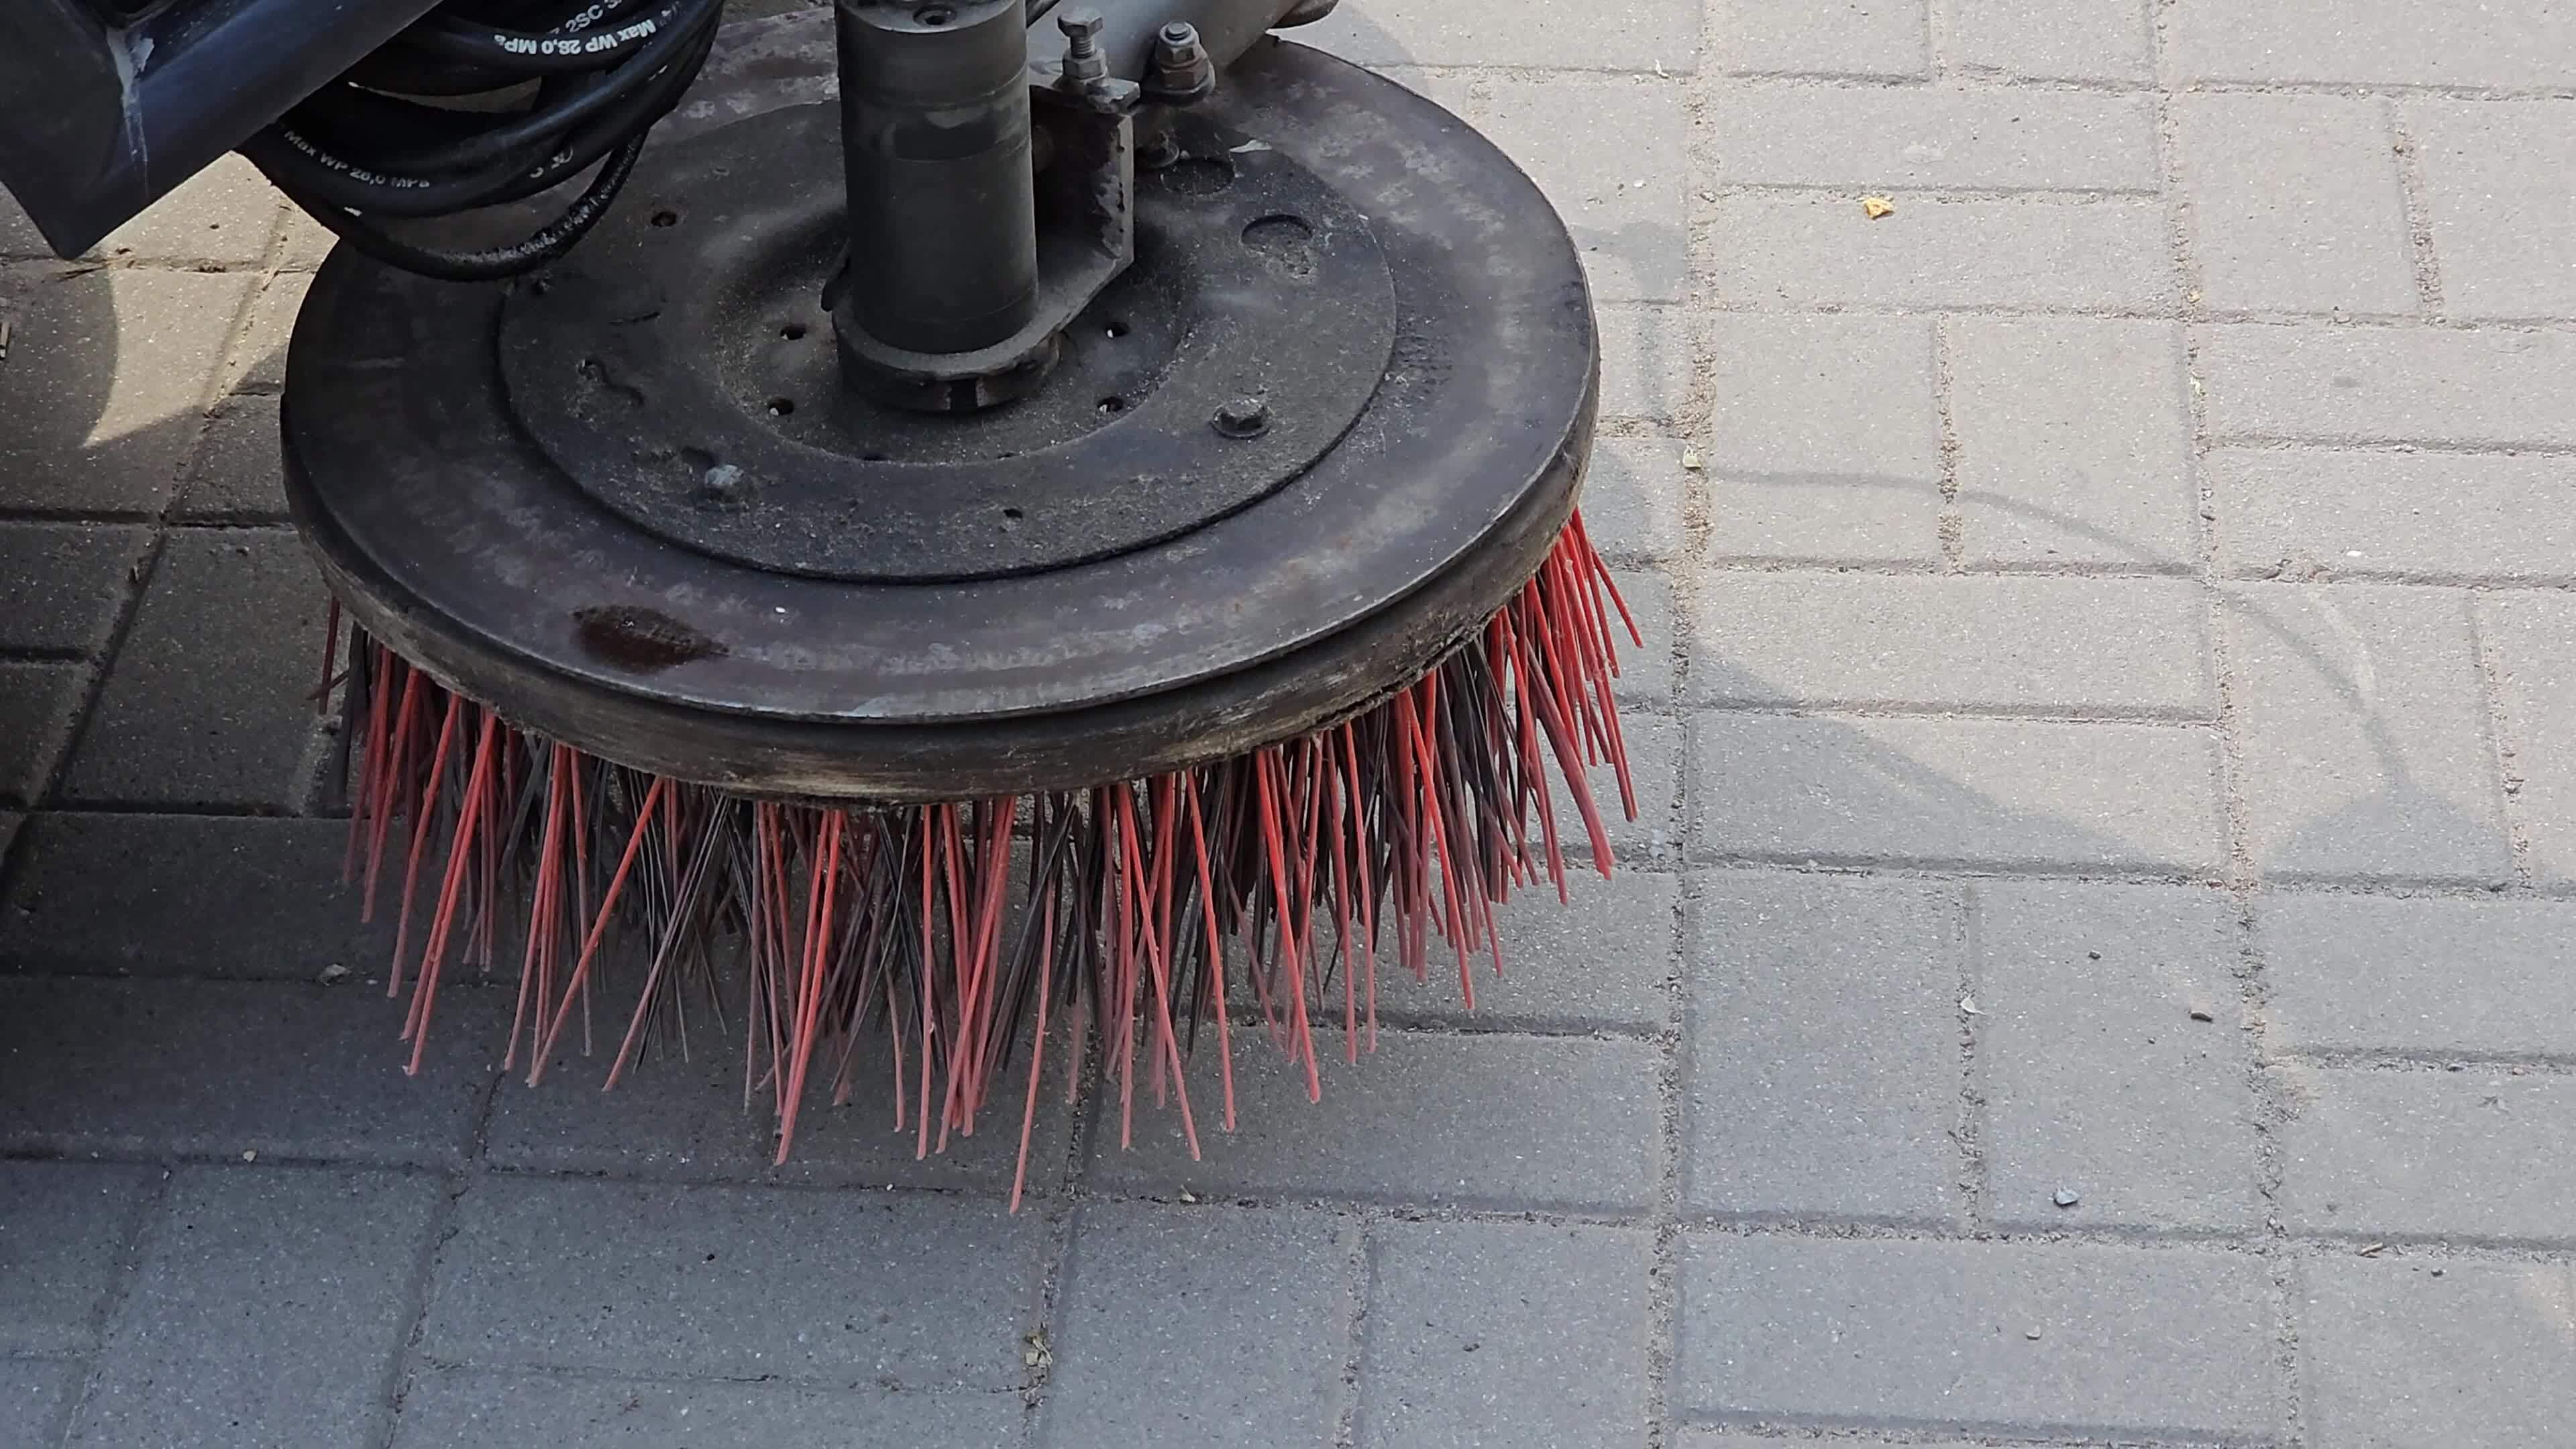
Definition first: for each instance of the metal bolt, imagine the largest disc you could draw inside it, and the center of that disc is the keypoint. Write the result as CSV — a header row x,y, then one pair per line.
x,y
1245,417
1082,28
1083,62
1182,73
722,486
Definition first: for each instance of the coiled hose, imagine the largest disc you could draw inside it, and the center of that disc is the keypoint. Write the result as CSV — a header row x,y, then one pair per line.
x,y
484,103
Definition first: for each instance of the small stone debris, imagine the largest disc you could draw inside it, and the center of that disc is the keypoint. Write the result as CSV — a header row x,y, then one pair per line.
x,y
251,1155
2066,1197
2203,1013
1877,208
2092,955
1692,462
334,974
1036,1352
1188,1196
2031,1333
1968,1006
2372,1251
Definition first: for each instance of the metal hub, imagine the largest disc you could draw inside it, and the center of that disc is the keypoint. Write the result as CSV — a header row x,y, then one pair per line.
x,y
680,370
1332,419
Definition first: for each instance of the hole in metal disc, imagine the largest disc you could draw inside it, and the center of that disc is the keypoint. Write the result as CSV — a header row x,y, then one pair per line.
x,y
666,217
936,15
1117,330
1112,406
780,407
793,332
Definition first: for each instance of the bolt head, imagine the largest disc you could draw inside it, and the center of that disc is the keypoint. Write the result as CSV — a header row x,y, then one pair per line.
x,y
1180,32
1081,26
1244,417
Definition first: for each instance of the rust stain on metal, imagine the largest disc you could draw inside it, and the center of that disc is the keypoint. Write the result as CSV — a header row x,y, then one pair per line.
x,y
641,639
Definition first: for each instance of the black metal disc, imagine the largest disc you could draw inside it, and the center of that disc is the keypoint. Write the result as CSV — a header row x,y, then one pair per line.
x,y
455,536
686,342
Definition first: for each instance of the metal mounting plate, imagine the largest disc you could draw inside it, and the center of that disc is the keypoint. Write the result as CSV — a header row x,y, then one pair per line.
x,y
455,538
687,342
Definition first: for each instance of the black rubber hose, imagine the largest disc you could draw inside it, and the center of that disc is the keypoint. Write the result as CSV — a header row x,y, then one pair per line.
x,y
356,157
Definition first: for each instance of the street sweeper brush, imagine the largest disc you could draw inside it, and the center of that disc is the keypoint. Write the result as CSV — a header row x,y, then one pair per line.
x,y
1065,553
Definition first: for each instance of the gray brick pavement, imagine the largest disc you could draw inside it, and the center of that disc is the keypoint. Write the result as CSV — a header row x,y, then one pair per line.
x,y
2110,1057
1989,792
1206,1326
2416,1353
106,370
1827,438
1768,133
61,584
2090,1341
2080,40
2172,487
2056,645
1850,37
476,1409
784,1284
131,895
266,1309
2360,974
2425,1152
217,1069
2533,639
2070,252
1504,1333
2316,384
1502,1122
66,1230
2486,168
190,716
2429,517
2365,734
236,476
1823,1077
39,707
2296,204
2074,443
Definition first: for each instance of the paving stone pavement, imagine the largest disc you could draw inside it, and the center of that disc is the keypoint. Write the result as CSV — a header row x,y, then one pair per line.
x,y
2099,966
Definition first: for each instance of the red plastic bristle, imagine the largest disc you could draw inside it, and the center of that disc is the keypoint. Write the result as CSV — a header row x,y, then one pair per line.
x,y
1130,914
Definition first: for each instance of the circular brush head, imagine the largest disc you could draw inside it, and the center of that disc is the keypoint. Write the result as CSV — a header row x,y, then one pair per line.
x,y
1260,650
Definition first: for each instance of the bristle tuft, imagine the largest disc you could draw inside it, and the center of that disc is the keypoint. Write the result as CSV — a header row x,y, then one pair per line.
x,y
1096,926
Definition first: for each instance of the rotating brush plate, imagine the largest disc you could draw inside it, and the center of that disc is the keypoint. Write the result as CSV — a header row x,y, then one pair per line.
x,y
456,458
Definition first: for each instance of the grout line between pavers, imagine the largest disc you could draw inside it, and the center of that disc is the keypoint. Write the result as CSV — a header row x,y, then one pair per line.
x,y
2244,877
1061,1201
148,1227
2349,322
1990,80
2489,653
1936,192
1869,1432
1683,575
1359,1283
407,1358
2421,252
1953,526
2428,1246
2146,573
1974,1123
